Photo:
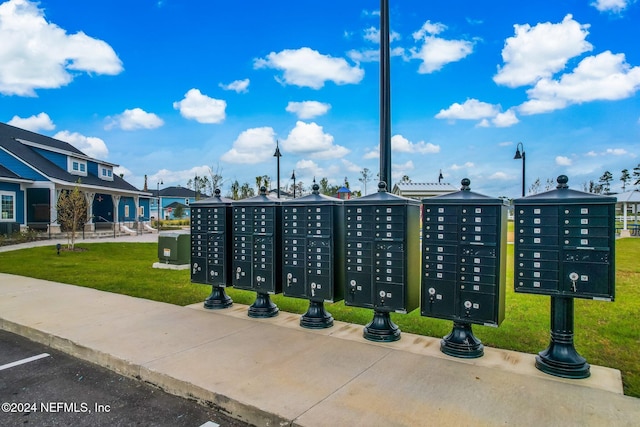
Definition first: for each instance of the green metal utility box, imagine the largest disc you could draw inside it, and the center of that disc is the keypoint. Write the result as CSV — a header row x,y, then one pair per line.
x,y
174,247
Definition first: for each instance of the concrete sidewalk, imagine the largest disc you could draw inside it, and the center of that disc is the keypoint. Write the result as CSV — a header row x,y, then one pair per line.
x,y
272,372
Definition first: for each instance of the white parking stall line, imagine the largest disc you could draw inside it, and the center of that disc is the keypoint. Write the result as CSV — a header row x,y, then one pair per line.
x,y
23,361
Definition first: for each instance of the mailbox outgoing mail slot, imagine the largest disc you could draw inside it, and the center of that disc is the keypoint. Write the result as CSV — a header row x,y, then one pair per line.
x,y
464,240
382,252
257,247
211,241
564,244
173,247
313,248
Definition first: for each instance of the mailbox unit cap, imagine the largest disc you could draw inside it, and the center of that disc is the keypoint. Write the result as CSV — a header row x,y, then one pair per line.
x,y
260,199
314,198
562,194
382,197
464,196
212,201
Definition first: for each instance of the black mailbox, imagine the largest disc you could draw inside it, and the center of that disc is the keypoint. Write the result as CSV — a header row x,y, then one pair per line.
x,y
313,254
257,250
565,244
464,257
211,247
382,256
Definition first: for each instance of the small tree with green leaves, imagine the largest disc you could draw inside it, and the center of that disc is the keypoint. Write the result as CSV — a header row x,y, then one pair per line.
x,y
72,213
178,212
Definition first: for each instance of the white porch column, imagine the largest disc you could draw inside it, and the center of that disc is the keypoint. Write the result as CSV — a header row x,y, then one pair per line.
x,y
116,208
89,198
54,195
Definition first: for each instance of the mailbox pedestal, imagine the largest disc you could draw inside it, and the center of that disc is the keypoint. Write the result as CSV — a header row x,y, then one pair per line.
x,y
564,247
464,240
313,254
211,248
257,249
383,265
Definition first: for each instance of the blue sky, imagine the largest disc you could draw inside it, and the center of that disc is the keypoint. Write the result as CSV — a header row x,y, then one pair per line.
x,y
174,88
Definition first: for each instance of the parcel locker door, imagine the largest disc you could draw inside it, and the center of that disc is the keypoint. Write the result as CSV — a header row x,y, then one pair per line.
x,y
358,290
293,282
389,297
477,307
438,299
198,269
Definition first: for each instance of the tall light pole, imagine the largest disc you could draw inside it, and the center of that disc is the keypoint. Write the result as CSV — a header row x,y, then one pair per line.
x,y
385,96
277,155
293,177
520,155
158,185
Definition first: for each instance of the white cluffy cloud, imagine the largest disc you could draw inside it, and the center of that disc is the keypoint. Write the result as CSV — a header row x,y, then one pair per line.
x,y
615,6
471,109
310,139
240,86
308,109
540,51
201,108
134,119
306,67
437,52
89,145
36,54
34,123
602,77
252,146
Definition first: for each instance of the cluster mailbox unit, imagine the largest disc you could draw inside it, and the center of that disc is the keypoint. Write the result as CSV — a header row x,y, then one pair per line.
x,y
382,258
211,247
564,247
313,254
464,238
257,245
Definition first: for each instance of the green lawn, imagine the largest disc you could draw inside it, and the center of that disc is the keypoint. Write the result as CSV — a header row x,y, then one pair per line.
x,y
607,334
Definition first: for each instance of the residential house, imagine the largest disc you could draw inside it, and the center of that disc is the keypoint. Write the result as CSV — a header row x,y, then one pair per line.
x,y
34,171
171,198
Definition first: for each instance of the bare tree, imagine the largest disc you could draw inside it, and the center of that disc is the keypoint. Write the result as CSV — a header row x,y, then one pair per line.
x,y
366,177
72,213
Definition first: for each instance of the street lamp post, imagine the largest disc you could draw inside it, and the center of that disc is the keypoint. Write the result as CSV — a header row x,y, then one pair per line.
x,y
277,155
158,185
520,155
293,177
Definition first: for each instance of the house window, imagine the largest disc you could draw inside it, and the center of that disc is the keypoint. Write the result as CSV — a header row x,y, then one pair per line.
x,y
126,211
7,206
106,173
76,166
141,211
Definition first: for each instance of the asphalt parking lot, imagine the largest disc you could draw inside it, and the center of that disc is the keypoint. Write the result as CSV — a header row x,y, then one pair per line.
x,y
40,386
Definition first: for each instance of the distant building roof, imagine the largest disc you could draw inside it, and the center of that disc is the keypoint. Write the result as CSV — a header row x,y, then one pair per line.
x,y
177,191
421,190
344,190
632,196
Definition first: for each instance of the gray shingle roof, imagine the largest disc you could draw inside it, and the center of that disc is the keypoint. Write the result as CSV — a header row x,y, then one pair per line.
x,y
9,136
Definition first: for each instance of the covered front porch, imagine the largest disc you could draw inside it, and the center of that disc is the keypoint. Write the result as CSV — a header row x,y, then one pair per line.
x,y
108,212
